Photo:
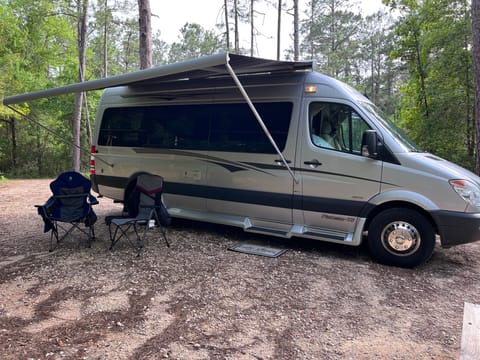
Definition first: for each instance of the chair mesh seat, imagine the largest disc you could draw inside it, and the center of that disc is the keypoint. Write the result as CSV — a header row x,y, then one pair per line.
x,y
69,207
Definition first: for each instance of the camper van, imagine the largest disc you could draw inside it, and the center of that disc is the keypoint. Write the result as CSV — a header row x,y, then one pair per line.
x,y
276,148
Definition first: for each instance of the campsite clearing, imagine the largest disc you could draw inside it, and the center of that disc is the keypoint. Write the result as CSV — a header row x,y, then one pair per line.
x,y
198,300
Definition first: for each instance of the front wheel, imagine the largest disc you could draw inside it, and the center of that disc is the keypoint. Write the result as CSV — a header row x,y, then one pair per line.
x,y
401,237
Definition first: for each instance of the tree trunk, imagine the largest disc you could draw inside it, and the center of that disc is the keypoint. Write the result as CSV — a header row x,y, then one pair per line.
x,y
252,28
310,36
77,112
476,74
296,22
39,151
87,120
421,71
227,24
237,40
374,92
279,27
14,142
105,41
13,137
469,111
145,27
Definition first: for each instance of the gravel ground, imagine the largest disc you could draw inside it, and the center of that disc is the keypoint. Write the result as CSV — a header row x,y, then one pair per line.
x,y
198,300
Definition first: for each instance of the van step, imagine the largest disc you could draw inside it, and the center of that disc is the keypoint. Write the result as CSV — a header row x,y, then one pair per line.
x,y
321,233
302,231
338,237
261,230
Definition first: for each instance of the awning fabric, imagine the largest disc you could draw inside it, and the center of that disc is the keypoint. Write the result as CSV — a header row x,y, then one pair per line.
x,y
203,67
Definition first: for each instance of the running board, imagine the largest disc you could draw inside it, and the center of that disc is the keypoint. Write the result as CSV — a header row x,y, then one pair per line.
x,y
322,234
304,231
269,228
325,235
267,231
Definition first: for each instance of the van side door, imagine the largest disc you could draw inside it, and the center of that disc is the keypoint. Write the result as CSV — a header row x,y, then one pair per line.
x,y
336,180
246,177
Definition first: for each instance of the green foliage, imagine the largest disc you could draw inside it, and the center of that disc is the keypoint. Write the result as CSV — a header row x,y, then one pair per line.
x,y
353,49
37,56
434,39
418,69
195,41
332,37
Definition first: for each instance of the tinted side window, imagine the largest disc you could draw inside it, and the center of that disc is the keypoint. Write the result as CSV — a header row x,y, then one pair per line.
x,y
121,127
235,128
223,127
336,126
163,127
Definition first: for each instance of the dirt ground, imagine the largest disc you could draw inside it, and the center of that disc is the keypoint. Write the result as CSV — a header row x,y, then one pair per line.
x,y
198,300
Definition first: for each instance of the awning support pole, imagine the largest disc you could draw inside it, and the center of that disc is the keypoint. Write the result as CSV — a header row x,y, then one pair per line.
x,y
259,118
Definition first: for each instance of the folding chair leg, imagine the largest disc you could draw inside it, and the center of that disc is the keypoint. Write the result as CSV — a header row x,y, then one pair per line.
x,y
54,234
164,233
139,239
162,229
114,238
91,236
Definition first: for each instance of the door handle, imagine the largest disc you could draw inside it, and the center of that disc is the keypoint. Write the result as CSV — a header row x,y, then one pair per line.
x,y
313,163
279,162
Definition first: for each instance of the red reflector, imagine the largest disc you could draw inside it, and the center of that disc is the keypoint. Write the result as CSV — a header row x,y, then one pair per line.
x,y
457,182
93,150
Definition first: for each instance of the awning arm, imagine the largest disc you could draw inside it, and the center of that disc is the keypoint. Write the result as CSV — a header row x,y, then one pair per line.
x,y
258,117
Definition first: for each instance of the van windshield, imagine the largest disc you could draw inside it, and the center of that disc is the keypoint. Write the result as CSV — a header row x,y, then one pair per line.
x,y
397,133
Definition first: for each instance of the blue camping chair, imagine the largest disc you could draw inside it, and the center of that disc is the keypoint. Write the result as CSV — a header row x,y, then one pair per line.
x,y
69,207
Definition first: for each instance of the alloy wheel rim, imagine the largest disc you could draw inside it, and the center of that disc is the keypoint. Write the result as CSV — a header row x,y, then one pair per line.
x,y
400,238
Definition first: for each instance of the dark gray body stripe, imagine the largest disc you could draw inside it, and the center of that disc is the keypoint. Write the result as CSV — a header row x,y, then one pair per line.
x,y
239,166
286,201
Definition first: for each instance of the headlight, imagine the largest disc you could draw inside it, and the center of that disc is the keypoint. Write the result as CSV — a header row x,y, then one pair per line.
x,y
469,191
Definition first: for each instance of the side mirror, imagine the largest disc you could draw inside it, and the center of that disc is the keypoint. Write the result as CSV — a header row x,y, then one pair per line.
x,y
370,144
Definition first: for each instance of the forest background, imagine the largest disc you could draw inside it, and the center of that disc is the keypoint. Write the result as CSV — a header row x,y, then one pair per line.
x,y
414,60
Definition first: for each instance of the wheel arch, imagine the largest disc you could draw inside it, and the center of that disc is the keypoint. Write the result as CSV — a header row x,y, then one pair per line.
x,y
399,204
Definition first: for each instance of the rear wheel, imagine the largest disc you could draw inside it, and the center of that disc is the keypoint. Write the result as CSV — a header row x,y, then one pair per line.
x,y
401,237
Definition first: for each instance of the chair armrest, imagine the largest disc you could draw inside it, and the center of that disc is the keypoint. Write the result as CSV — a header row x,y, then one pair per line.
x,y
92,200
51,200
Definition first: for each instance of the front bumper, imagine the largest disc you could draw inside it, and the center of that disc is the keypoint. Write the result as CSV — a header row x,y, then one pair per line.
x,y
457,228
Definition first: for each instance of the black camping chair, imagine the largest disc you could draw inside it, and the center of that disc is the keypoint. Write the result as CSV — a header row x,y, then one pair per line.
x,y
145,207
69,207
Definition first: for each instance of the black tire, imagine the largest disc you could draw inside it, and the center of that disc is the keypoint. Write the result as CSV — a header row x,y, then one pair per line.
x,y
401,237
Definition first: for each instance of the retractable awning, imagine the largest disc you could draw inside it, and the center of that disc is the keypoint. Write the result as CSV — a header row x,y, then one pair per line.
x,y
203,67
223,64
